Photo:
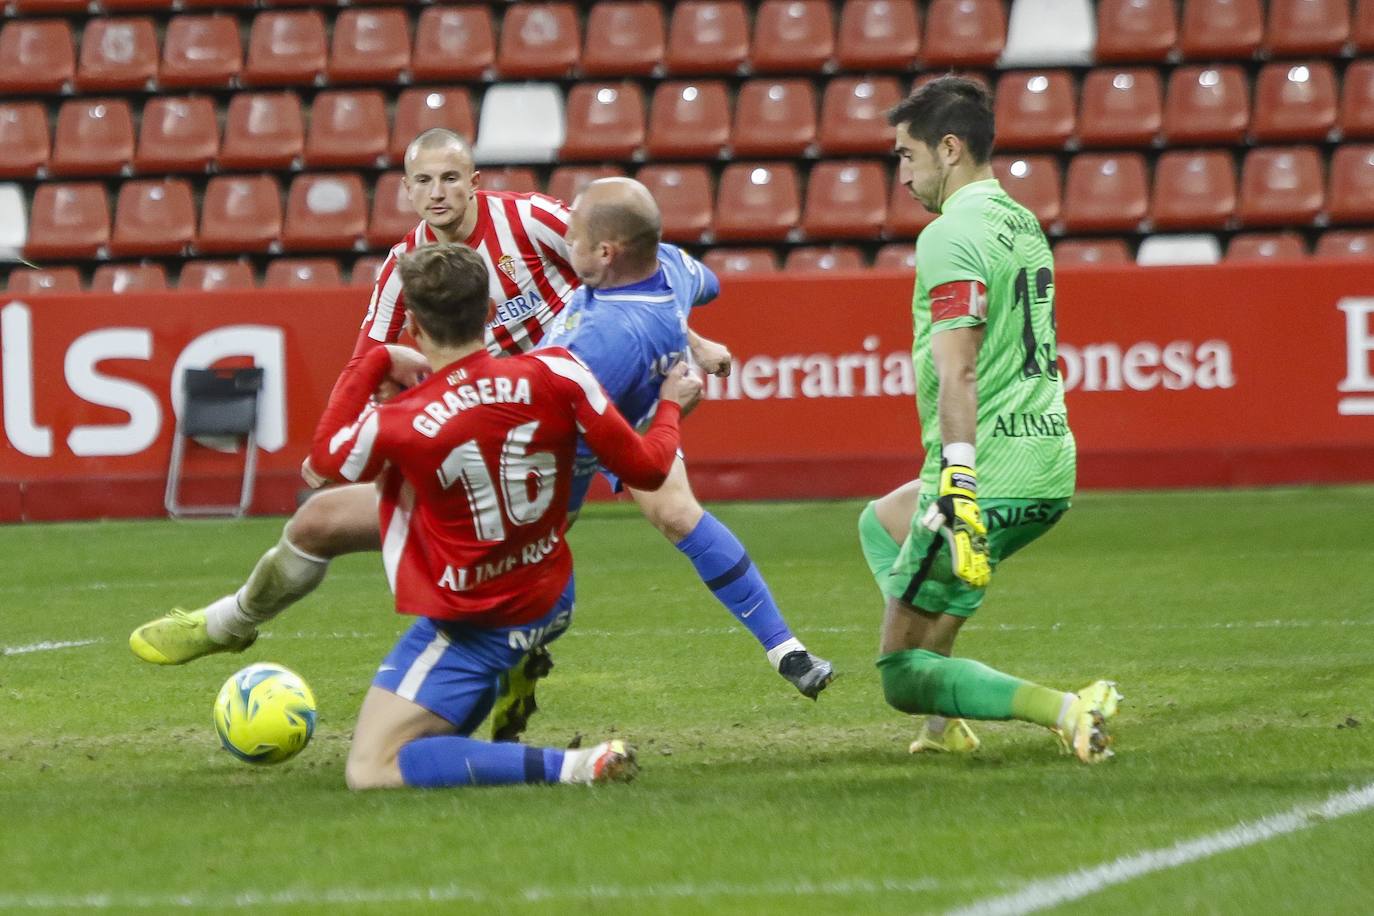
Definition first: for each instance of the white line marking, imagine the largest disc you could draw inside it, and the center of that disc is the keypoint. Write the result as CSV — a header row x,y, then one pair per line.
x,y
1049,892
48,646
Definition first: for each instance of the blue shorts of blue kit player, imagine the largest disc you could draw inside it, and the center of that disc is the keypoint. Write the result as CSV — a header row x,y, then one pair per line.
x,y
451,668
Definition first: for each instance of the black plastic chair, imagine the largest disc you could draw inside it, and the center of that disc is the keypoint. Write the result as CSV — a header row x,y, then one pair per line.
x,y
218,403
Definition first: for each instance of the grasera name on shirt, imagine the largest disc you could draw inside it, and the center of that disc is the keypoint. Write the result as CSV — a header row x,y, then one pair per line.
x,y
462,578
453,401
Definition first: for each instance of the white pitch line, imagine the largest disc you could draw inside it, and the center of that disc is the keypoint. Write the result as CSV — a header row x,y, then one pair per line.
x,y
48,646
1039,895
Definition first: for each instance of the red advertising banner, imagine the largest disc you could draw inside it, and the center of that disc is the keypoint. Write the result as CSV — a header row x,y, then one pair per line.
x,y
1212,376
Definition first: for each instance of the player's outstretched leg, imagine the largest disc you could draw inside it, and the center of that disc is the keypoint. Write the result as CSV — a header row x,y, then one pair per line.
x,y
451,760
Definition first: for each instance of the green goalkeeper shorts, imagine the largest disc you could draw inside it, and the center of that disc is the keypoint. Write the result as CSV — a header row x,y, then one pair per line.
x,y
922,574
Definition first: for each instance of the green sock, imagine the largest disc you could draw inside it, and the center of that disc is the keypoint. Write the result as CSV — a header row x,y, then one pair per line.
x,y
880,550
920,681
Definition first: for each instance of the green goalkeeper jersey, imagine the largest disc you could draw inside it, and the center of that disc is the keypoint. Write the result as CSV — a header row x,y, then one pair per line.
x,y
1025,448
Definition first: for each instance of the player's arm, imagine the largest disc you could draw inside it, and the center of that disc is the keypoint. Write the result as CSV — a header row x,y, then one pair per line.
x,y
712,356
344,445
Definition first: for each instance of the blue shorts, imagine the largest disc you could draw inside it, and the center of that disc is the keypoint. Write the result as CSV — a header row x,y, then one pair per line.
x,y
452,669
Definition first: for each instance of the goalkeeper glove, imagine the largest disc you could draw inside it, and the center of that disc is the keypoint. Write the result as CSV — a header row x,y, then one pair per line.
x,y
956,516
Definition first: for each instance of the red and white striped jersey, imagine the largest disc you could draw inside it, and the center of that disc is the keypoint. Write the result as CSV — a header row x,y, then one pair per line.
x,y
478,464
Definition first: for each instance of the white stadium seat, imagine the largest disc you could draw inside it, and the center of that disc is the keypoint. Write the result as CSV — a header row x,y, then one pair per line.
x,y
14,222
1173,250
1044,33
520,123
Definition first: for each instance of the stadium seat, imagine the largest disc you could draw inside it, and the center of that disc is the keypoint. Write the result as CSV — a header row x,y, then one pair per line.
x,y
347,128
816,259
286,48
128,6
1346,243
58,281
854,115
453,43
302,273
1294,102
155,216
742,260
239,213
1307,27
24,144
51,7
68,221
605,121
1357,100
896,256
93,137
1136,30
262,130
39,56
325,212
567,181
1193,189
1362,29
774,118
792,36
200,52
129,278
392,215
1034,182
520,123
370,45
906,216
218,4
1049,33
14,218
177,134
538,40
117,54
1120,108
205,276
417,110
707,36
1034,110
516,178
963,33
1178,250
1091,253
689,120
365,271
1206,105
757,201
845,200
878,35
1106,192
1266,246
624,38
1221,29
684,196
1280,186
1351,195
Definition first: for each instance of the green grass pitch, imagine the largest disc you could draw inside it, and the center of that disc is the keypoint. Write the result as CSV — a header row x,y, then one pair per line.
x,y
1239,624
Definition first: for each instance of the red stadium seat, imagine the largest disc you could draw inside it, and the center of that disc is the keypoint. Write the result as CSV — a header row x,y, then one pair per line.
x,y
178,134
347,128
624,38
1091,253
1106,192
906,216
24,145
816,259
878,35
25,281
1035,110
240,213
205,276
774,118
302,273
1033,182
964,33
854,115
68,221
792,36
567,181
218,4
516,178
689,120
418,110
117,54
129,278
285,48
126,6
708,36
39,56
1121,108
605,121
392,214
94,137
1136,30
1280,186
1221,29
370,46
538,40
153,217
1362,30
684,196
1357,101
325,212
201,51
1266,246
262,130
1346,243
1351,195
365,272
757,201
845,200
1294,102
53,7
896,256
1194,189
742,260
453,43
1307,27
1206,105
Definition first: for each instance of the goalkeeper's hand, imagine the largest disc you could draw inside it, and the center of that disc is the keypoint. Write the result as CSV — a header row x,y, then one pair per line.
x,y
956,516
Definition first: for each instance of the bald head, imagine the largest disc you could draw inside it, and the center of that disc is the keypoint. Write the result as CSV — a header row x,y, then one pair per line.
x,y
622,211
439,140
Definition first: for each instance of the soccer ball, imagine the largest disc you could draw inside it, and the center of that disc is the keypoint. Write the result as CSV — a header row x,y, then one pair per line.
x,y
265,714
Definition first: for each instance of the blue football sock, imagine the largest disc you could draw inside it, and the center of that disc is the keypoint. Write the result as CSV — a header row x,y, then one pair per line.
x,y
448,760
725,567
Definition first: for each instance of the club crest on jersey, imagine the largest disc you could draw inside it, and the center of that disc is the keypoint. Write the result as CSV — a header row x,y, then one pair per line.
x,y
506,263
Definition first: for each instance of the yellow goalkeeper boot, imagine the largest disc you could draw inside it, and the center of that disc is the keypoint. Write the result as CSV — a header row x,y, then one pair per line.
x,y
1085,733
954,738
178,638
510,715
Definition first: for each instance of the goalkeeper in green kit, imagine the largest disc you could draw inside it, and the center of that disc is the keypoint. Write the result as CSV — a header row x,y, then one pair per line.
x,y
999,456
